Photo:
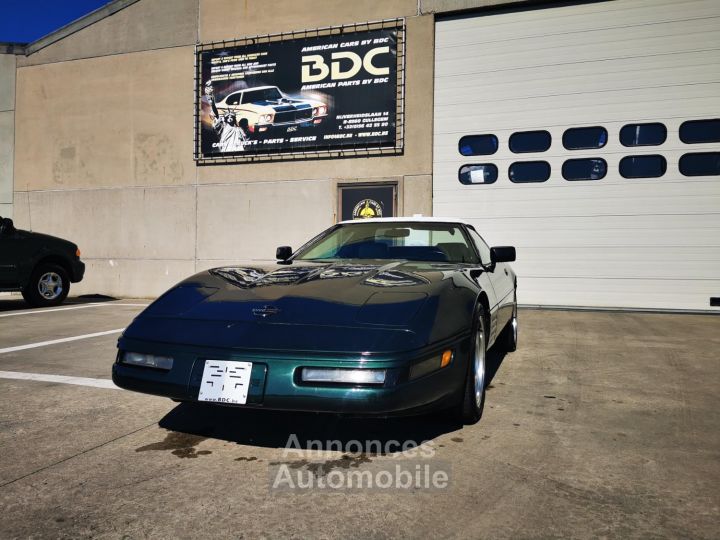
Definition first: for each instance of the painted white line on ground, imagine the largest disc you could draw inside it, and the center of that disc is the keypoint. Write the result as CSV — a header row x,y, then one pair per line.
x,y
55,341
36,311
64,379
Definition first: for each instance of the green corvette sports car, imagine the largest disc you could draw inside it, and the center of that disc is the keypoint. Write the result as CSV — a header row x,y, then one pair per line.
x,y
374,317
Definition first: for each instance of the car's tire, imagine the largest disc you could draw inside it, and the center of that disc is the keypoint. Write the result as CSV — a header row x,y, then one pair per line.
x,y
49,285
509,338
471,407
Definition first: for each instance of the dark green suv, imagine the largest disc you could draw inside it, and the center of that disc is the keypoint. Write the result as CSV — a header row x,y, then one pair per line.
x,y
39,265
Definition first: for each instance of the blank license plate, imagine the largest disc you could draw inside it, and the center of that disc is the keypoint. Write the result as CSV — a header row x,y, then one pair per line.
x,y
225,381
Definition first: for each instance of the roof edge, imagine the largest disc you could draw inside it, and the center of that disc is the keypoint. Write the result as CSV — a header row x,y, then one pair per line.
x,y
78,24
12,48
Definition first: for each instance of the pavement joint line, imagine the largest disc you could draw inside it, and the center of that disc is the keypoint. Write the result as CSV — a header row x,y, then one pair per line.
x,y
62,379
41,469
56,341
69,308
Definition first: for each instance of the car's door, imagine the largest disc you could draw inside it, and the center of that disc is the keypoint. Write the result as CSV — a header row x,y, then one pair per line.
x,y
9,258
501,282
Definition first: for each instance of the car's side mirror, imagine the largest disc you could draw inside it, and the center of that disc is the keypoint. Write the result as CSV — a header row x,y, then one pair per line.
x,y
6,226
500,254
283,253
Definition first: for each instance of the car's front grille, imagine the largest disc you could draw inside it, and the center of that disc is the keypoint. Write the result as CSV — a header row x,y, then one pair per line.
x,y
286,117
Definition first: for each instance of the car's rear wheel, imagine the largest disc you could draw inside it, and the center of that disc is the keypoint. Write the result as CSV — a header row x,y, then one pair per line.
x,y
473,402
49,285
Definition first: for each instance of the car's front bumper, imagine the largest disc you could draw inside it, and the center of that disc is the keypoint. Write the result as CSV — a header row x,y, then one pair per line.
x,y
78,271
275,381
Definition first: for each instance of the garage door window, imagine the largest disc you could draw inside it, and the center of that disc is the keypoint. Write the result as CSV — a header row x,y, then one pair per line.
x,y
701,164
643,134
478,145
530,141
700,131
529,171
484,173
585,138
643,166
584,169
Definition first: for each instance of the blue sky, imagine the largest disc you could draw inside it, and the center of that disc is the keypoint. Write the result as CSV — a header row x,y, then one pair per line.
x,y
25,21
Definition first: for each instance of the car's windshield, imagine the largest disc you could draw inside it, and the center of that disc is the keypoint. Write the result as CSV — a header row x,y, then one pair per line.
x,y
264,94
414,241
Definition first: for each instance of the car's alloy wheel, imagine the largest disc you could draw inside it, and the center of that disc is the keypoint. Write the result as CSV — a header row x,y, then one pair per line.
x,y
471,407
479,365
50,285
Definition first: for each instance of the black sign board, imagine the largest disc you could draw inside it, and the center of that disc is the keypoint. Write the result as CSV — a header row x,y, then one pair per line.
x,y
363,202
305,94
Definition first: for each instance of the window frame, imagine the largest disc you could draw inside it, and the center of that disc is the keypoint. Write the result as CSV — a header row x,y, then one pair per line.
x,y
562,171
497,144
603,145
664,160
680,168
700,121
528,163
544,131
620,137
497,174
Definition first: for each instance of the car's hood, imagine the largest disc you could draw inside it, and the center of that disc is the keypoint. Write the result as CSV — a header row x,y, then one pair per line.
x,y
308,306
48,239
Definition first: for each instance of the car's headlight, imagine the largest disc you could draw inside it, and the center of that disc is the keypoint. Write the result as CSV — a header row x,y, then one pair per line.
x,y
431,364
147,360
343,376
266,118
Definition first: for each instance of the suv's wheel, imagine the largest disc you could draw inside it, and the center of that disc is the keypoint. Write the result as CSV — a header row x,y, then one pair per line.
x,y
49,285
473,402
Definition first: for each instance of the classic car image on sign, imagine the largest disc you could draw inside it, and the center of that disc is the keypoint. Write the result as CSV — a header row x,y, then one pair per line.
x,y
371,317
263,107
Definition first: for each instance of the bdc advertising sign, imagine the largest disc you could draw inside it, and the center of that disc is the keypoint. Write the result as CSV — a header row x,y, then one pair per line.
x,y
306,94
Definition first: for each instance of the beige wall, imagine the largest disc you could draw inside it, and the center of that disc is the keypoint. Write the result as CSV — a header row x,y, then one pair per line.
x,y
105,140
7,135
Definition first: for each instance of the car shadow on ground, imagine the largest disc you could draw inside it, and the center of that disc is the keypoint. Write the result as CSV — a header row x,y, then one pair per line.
x,y
315,431
17,303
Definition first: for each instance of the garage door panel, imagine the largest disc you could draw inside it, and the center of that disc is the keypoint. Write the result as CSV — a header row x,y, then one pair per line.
x,y
529,114
634,293
590,46
544,236
597,205
583,18
608,64
577,84
578,109
568,50
507,74
612,262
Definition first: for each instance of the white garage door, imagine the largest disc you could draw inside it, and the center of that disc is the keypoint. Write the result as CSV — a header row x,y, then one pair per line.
x,y
637,221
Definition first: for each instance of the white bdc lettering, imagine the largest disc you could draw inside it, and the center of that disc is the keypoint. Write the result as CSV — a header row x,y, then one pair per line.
x,y
315,69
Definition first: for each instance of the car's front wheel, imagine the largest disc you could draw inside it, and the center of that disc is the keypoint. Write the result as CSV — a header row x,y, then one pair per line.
x,y
473,402
49,285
